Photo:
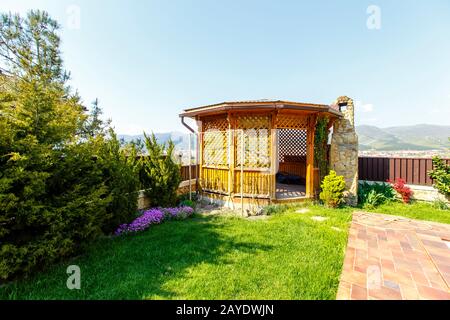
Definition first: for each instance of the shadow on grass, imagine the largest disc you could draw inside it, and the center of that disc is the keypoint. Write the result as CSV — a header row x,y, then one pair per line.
x,y
138,266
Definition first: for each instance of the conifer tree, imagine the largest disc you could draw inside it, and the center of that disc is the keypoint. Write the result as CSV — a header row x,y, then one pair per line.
x,y
60,185
161,175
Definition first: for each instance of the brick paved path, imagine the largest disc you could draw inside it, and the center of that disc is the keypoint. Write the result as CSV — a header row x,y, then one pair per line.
x,y
391,257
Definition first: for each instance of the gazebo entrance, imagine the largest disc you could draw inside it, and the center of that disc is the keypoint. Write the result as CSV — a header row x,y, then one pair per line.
x,y
291,164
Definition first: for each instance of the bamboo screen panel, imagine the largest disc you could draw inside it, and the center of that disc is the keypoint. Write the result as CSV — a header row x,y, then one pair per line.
x,y
256,130
215,142
254,183
215,180
291,145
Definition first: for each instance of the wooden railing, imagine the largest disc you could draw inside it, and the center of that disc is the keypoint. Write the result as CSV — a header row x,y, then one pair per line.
x,y
254,183
214,179
412,170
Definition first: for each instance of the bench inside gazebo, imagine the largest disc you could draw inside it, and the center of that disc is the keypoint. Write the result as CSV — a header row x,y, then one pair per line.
x,y
258,152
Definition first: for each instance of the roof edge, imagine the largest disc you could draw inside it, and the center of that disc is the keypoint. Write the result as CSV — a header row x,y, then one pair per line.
x,y
254,102
266,104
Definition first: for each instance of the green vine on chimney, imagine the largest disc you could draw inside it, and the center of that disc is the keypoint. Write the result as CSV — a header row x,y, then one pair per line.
x,y
320,147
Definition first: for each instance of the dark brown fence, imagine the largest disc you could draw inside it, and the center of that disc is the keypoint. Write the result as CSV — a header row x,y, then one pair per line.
x,y
412,170
185,172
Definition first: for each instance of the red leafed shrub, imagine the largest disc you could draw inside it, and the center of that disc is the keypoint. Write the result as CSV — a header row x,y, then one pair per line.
x,y
405,192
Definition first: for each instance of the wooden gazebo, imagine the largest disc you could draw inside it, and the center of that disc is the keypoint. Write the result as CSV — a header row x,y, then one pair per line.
x,y
257,151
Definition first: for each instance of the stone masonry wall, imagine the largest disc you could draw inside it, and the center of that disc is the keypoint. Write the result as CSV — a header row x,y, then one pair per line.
x,y
144,201
344,150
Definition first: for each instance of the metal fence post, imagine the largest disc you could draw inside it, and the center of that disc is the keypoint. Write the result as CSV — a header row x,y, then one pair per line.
x,y
242,172
190,169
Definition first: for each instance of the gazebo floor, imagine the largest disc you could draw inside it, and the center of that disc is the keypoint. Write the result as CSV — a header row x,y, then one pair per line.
x,y
285,193
289,191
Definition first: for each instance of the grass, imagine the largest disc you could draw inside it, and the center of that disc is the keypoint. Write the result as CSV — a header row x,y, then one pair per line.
x,y
415,210
286,256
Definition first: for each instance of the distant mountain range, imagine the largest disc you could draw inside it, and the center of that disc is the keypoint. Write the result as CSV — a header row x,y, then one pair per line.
x,y
181,140
416,137
177,137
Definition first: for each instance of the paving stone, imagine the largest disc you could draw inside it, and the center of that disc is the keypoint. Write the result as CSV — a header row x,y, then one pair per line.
x,y
358,293
385,293
391,257
392,285
447,243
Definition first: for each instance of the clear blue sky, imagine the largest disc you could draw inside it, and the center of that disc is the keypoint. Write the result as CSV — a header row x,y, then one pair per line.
x,y
148,60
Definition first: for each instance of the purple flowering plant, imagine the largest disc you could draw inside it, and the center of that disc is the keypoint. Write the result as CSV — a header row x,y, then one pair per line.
x,y
154,216
178,213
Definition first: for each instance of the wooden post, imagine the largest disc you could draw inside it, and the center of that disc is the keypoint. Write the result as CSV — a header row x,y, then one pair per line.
x,y
199,155
273,155
230,147
242,171
310,156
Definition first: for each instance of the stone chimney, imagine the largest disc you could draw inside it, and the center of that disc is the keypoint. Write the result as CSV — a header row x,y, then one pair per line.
x,y
344,148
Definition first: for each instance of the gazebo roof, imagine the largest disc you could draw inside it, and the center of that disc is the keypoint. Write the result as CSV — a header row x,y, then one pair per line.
x,y
263,104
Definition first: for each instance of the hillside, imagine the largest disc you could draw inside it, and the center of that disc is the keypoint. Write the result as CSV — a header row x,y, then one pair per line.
x,y
422,134
179,139
417,137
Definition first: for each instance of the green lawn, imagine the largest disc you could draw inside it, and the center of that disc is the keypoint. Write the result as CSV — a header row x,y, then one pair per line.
x,y
415,210
287,256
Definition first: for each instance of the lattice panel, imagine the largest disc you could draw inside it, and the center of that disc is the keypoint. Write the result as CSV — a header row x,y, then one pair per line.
x,y
288,121
256,131
215,142
253,122
291,145
220,124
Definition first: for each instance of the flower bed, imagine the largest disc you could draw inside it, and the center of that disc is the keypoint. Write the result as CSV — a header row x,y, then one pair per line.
x,y
404,191
155,216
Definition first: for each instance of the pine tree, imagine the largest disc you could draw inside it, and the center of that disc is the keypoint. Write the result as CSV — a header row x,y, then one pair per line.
x,y
59,187
94,124
161,174
39,118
